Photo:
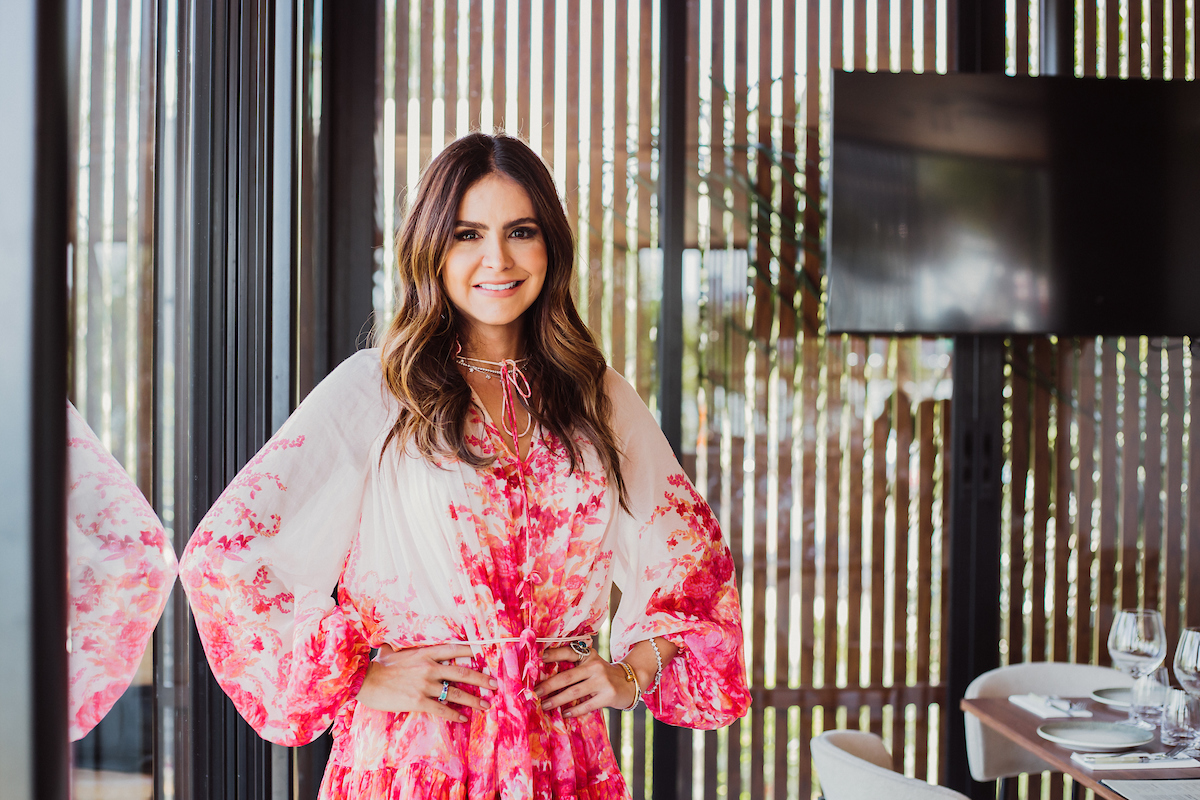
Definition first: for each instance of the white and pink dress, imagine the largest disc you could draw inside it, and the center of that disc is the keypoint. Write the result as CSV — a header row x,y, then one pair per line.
x,y
511,558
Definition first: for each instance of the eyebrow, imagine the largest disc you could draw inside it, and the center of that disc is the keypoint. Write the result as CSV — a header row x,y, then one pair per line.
x,y
462,223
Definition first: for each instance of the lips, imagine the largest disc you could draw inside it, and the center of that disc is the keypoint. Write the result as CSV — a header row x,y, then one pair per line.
x,y
498,287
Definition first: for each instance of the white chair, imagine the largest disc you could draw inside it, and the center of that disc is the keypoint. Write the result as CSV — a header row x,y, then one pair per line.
x,y
989,754
853,765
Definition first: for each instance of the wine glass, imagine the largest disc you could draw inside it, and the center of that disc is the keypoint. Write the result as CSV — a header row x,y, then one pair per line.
x,y
1137,644
1187,670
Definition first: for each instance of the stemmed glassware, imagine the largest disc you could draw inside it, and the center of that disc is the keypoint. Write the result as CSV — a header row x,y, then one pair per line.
x,y
1187,670
1137,644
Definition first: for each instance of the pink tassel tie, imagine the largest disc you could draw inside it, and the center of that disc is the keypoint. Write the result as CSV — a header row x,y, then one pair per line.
x,y
511,377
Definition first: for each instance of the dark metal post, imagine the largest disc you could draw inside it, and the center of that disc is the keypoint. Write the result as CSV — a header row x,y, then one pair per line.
x,y
976,448
672,130
980,36
976,444
350,74
671,188
33,306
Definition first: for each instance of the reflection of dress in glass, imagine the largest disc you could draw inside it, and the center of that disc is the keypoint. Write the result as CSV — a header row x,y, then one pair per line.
x,y
423,554
122,568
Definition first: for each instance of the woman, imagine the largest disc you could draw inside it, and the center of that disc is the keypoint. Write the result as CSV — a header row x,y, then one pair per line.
x,y
473,488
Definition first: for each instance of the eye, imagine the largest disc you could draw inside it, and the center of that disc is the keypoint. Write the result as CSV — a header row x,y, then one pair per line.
x,y
524,232
466,235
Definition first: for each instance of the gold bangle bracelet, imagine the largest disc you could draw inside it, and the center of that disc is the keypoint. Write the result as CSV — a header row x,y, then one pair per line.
x,y
631,677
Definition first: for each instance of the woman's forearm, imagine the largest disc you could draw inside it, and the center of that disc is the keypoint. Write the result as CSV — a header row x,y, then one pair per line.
x,y
645,665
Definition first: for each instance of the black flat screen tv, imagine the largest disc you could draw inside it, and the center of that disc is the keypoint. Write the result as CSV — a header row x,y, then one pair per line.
x,y
989,204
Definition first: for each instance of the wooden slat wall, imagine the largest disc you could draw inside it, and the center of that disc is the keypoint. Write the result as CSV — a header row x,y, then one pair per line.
x,y
830,381
851,478
1097,512
821,456
1110,45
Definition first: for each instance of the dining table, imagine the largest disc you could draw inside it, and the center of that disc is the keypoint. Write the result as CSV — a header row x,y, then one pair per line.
x,y
1021,727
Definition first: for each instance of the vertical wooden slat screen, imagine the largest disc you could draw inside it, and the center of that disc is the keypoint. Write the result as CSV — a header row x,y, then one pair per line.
x,y
1108,490
1192,531
852,478
1152,485
1098,428
1085,489
926,535
902,431
1173,535
822,456
1060,648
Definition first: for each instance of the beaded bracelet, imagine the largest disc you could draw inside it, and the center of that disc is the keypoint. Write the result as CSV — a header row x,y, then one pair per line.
x,y
657,675
631,677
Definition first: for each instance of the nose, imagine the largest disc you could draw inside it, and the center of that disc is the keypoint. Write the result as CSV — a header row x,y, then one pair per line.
x,y
495,253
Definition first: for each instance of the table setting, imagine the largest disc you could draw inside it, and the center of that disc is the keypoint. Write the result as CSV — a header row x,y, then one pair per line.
x,y
1156,713
1140,741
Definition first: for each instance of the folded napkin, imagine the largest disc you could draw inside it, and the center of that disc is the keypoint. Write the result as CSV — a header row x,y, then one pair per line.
x,y
1134,760
1045,707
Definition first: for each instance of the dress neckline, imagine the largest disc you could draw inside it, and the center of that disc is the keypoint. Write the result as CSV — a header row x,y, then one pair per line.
x,y
535,434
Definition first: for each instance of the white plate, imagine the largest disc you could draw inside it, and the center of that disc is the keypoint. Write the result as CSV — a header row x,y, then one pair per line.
x,y
1095,737
1119,697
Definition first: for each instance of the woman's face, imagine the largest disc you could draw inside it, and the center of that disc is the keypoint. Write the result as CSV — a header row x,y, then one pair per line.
x,y
496,263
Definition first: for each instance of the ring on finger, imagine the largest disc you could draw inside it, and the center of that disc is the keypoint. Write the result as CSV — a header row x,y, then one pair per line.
x,y
581,649
441,698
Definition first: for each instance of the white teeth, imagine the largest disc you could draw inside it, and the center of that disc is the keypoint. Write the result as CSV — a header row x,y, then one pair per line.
x,y
498,287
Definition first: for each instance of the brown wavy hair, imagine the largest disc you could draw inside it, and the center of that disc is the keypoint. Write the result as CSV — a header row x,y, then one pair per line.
x,y
565,367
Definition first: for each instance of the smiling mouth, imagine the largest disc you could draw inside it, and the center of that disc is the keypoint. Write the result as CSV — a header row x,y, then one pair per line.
x,y
498,287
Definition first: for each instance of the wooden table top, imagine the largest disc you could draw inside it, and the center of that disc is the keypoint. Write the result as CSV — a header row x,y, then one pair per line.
x,y
1021,726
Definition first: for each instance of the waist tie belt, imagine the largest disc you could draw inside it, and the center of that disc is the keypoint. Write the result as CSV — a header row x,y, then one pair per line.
x,y
510,768
526,666
583,637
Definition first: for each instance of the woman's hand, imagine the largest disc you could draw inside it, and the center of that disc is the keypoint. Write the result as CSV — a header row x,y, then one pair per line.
x,y
411,680
599,683
595,681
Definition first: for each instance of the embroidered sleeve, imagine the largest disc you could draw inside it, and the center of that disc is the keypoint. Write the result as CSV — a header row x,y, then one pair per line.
x,y
261,567
121,570
676,578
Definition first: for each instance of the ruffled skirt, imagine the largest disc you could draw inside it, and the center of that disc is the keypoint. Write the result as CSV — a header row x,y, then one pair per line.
x,y
414,781
382,756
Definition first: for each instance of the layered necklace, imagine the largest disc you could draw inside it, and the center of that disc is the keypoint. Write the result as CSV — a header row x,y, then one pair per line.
x,y
511,379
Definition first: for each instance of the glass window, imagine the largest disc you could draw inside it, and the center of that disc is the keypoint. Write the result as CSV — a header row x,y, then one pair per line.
x,y
111,321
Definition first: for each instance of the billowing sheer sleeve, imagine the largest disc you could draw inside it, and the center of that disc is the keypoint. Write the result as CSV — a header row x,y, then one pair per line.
x,y
261,567
121,570
676,577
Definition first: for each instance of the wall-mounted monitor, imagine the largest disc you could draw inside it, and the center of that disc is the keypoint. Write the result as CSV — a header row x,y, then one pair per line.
x,y
996,204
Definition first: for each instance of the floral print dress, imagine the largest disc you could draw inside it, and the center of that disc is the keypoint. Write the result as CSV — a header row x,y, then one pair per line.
x,y
121,570
510,559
